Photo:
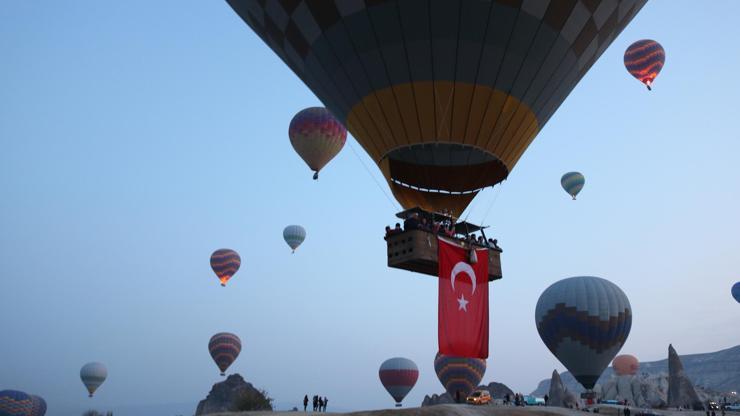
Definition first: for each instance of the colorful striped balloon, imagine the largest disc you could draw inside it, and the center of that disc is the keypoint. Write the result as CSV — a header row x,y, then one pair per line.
x,y
294,235
584,321
224,347
459,375
93,375
39,406
15,403
398,376
225,263
573,182
317,137
644,59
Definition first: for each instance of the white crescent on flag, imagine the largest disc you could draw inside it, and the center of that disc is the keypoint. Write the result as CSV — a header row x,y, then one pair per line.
x,y
461,267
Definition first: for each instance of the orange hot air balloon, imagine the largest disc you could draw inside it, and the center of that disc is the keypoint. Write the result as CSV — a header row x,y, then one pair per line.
x,y
445,96
626,364
644,59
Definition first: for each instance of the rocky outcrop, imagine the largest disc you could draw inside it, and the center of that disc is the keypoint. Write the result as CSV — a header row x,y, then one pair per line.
x,y
710,372
559,396
640,391
497,390
225,396
681,391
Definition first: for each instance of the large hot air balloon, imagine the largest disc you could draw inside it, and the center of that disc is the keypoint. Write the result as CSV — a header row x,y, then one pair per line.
x,y
225,263
572,182
584,321
93,375
38,407
459,375
644,59
317,137
625,365
224,348
445,96
398,376
15,403
294,236
736,291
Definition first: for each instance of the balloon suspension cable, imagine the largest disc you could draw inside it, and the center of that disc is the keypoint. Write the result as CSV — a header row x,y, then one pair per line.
x,y
497,192
393,204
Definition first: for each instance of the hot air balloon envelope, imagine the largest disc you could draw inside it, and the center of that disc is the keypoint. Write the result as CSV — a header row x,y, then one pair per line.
x,y
459,375
225,263
573,182
736,291
584,321
93,375
15,403
294,235
224,347
398,376
445,96
317,137
38,406
644,59
626,364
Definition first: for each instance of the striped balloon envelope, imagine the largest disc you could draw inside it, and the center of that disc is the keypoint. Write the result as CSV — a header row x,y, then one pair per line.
x,y
644,59
15,403
572,182
92,376
584,321
398,376
38,407
225,263
294,235
317,137
224,347
459,375
625,365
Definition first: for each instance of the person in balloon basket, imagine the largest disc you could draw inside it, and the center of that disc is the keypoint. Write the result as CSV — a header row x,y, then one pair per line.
x,y
305,402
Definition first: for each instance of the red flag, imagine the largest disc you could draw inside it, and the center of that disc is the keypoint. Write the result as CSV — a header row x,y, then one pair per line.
x,y
463,301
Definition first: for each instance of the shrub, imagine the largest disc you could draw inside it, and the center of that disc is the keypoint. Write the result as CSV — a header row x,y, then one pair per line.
x,y
253,400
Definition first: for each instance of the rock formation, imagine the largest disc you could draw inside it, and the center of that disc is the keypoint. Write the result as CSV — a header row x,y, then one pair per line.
x,y
640,391
680,390
497,390
558,395
224,396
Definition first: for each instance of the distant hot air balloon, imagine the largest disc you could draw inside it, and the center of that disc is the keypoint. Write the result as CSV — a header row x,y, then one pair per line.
x,y
317,137
584,321
15,403
38,407
224,348
459,375
444,96
644,59
573,182
93,375
736,291
626,364
225,263
398,376
294,236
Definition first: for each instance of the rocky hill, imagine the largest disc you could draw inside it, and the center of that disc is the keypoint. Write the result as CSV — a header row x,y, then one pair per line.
x,y
710,372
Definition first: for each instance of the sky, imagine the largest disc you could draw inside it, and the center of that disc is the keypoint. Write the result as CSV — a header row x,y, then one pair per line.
x,y
137,137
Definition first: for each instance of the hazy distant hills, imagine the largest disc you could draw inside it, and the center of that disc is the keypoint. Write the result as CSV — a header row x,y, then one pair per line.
x,y
719,371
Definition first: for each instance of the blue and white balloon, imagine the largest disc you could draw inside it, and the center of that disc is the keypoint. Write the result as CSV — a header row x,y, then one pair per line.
x,y
294,235
573,182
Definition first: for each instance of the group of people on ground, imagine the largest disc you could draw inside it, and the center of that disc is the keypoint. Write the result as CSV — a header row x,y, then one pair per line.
x,y
518,400
319,403
445,228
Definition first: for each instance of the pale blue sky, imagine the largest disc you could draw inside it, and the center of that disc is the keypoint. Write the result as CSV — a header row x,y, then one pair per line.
x,y
137,137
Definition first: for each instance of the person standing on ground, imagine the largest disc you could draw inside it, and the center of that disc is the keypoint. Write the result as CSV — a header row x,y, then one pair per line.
x,y
547,398
305,402
315,402
321,403
326,401
626,411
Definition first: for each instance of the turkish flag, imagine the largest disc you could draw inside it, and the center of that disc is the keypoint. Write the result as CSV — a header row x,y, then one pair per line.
x,y
463,301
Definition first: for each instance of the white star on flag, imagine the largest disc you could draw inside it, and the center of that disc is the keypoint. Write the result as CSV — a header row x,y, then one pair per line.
x,y
462,304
